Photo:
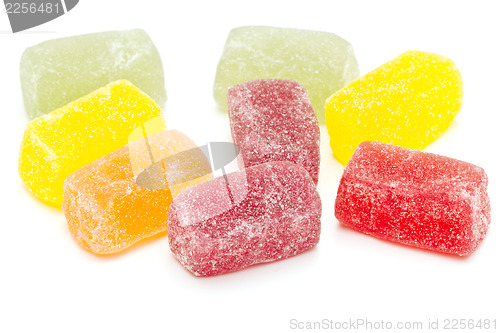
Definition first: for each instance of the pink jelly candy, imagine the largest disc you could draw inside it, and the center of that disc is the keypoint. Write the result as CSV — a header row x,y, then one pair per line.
x,y
273,120
261,214
414,198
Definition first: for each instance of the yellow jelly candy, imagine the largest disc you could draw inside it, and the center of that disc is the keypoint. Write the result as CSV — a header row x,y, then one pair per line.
x,y
64,140
409,101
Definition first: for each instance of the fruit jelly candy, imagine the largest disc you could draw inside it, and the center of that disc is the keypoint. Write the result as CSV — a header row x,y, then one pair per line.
x,y
64,140
321,61
56,72
409,102
108,211
273,120
414,198
261,214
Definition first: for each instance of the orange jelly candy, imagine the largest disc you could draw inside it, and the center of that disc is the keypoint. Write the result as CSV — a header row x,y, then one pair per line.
x,y
123,197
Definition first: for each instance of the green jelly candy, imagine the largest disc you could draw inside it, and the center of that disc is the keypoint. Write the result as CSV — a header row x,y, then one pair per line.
x,y
321,61
59,71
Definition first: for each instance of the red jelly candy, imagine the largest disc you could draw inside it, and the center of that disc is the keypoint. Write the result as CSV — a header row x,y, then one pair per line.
x,y
414,198
273,120
261,214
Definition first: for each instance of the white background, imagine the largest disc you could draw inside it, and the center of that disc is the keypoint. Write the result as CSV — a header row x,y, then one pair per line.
x,y
49,284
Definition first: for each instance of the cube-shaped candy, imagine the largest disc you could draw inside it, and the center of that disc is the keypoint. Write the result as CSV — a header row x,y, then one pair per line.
x,y
64,140
56,72
414,198
321,61
260,214
409,102
108,208
273,120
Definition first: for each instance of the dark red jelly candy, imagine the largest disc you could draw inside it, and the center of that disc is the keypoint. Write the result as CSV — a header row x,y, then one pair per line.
x,y
261,214
273,120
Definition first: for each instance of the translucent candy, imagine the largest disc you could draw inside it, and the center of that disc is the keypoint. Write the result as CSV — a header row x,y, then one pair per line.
x,y
261,214
56,72
106,206
64,140
273,120
321,61
414,198
409,102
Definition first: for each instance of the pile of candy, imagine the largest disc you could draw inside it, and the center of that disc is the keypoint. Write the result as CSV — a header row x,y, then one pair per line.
x,y
99,148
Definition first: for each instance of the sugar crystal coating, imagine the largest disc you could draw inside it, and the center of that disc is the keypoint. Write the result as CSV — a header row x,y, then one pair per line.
x,y
64,140
321,61
56,72
264,213
273,120
414,198
409,101
108,210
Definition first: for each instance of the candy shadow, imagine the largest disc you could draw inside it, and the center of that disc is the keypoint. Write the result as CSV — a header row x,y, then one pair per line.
x,y
447,136
136,246
407,247
142,243
39,202
222,116
284,265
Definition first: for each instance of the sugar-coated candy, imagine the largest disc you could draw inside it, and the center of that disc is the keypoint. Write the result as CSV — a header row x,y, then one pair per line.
x,y
56,72
321,61
414,198
409,102
273,120
261,214
64,140
108,209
